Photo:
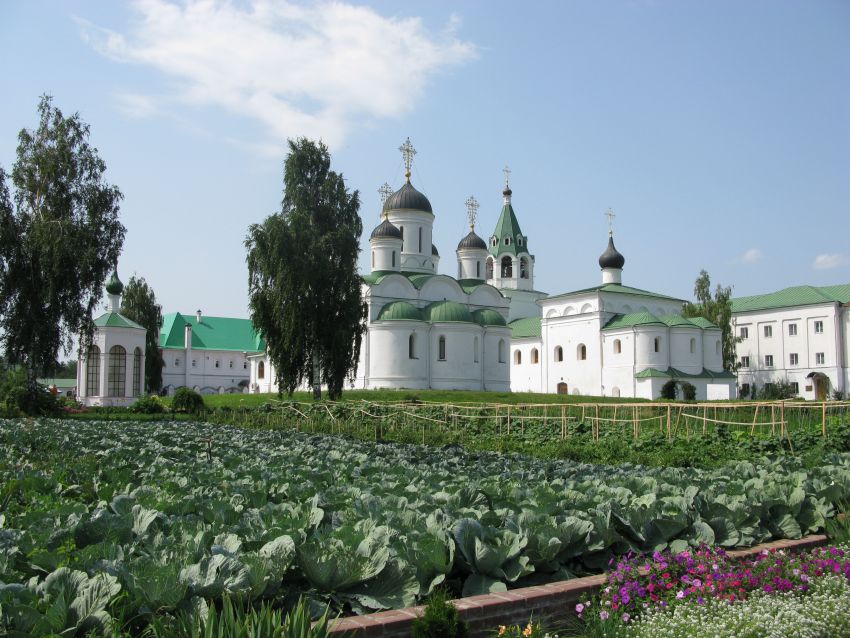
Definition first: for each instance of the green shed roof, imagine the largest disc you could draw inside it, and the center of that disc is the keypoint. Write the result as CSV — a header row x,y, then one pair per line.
x,y
703,323
446,311
488,317
794,296
524,328
115,320
619,288
212,333
633,319
399,311
673,373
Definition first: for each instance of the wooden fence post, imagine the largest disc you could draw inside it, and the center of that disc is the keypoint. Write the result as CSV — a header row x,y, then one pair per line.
x,y
823,419
669,409
597,421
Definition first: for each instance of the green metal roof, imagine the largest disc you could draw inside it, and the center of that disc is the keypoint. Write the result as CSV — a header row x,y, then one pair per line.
x,y
523,328
633,319
508,226
673,373
446,311
212,333
794,296
488,317
399,311
703,323
619,288
114,320
418,279
469,285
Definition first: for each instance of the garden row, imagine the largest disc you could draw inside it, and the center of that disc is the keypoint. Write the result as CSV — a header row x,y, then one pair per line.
x,y
180,513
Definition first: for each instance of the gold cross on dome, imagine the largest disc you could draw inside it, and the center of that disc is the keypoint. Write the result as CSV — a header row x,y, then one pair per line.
x,y
507,172
472,211
610,215
407,153
385,191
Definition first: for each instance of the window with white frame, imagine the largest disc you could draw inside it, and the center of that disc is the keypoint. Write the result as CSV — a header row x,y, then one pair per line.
x,y
820,358
768,332
818,327
792,329
744,333
745,362
793,359
768,361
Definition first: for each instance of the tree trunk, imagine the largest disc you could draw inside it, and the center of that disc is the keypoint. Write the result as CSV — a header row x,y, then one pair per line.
x,y
317,381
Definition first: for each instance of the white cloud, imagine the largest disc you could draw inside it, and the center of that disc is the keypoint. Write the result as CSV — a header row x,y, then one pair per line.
x,y
827,262
751,256
316,70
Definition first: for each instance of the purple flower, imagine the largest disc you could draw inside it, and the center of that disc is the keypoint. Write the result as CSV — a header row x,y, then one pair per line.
x,y
603,615
579,609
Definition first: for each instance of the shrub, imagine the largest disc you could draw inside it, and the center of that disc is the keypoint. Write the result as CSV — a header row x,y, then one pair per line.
x,y
689,392
20,396
777,391
440,620
187,400
148,404
669,390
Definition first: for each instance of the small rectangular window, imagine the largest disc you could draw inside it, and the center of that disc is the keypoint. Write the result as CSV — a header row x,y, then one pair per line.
x,y
794,359
745,389
768,332
792,329
818,327
745,333
768,361
745,362
820,359
795,387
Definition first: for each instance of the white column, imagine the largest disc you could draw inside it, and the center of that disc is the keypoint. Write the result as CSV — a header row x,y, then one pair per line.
x,y
104,369
128,376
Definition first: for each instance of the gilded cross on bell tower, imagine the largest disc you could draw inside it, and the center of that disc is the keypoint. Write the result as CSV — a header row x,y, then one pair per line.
x,y
610,215
472,211
507,172
407,153
385,191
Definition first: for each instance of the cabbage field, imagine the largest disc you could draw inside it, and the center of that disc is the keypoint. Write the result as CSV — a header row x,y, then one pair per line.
x,y
104,521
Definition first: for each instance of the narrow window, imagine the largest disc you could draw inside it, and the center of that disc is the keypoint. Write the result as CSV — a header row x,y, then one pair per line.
x,y
657,344
420,239
507,241
792,329
795,387
559,353
582,352
475,350
768,332
441,350
768,361
818,327
137,372
261,370
93,371
231,363
177,362
501,350
117,375
517,357
373,259
194,363
693,345
745,362
820,359
523,268
244,365
535,356
717,347
794,359
745,333
489,269
478,270
411,346
618,346
393,262
217,363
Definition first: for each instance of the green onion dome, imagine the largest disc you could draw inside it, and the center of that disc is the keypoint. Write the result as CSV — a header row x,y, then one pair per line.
x,y
488,317
399,311
442,311
114,285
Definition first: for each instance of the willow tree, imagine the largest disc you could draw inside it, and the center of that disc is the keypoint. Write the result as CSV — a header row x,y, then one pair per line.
x,y
718,310
138,302
59,238
304,290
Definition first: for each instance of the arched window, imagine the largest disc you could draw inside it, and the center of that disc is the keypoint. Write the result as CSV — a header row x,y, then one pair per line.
x,y
475,350
494,241
507,241
420,239
559,353
393,262
581,352
137,372
411,346
373,259
615,391
489,268
501,350
441,348
478,270
507,267
517,357
523,268
117,375
519,241
261,370
217,363
618,346
693,345
657,344
535,356
93,371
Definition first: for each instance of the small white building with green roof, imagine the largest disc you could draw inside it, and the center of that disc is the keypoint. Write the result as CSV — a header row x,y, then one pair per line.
x,y
797,335
112,371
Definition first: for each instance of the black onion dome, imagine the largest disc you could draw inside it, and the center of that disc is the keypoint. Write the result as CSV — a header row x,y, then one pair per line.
x,y
507,192
409,198
472,241
386,229
434,251
611,258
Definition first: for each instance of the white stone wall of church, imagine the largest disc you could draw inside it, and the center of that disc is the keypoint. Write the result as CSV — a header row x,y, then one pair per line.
x,y
390,365
683,356
570,333
497,373
105,339
526,375
459,370
204,376
386,254
618,368
471,263
645,351
712,350
415,257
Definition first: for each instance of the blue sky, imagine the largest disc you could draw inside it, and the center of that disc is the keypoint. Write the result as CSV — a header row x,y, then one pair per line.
x,y
719,132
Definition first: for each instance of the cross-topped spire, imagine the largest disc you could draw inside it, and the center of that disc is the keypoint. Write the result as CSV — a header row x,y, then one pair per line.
x,y
472,211
407,153
610,215
507,172
385,191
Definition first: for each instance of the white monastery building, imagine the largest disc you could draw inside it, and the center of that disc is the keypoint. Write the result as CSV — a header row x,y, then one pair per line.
x,y
489,329
798,335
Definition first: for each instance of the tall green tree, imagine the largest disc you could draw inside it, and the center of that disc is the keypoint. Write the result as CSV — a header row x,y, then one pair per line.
x,y
718,310
59,238
138,302
303,286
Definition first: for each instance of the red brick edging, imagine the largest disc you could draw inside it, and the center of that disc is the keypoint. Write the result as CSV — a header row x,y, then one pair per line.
x,y
485,613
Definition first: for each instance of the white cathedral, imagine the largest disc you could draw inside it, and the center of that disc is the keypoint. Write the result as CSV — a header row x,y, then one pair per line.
x,y
489,329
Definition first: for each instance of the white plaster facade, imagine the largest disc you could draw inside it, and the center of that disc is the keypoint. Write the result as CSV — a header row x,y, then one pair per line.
x,y
797,335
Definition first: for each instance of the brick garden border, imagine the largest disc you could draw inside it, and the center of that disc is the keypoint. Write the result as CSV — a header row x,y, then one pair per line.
x,y
486,612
